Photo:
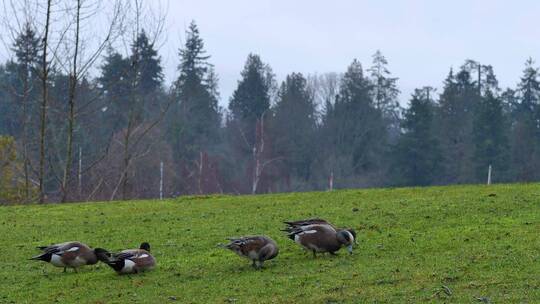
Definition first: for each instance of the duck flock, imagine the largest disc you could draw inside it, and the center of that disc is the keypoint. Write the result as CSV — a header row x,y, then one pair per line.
x,y
315,235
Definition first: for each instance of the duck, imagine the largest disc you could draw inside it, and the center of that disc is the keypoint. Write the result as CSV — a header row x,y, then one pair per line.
x,y
72,254
129,261
258,249
321,238
292,225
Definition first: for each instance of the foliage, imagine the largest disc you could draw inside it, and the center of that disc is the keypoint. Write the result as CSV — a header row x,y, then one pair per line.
x,y
343,129
11,184
194,120
417,154
354,126
294,126
252,96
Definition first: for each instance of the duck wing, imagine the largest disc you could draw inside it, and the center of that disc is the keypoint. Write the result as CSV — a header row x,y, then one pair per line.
x,y
314,229
247,244
307,222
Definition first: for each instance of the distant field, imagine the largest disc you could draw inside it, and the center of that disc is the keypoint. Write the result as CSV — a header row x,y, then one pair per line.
x,y
478,241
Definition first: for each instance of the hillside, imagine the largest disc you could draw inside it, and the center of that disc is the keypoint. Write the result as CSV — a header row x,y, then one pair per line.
x,y
478,241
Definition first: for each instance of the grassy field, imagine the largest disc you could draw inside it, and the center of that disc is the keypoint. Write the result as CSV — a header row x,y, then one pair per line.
x,y
477,241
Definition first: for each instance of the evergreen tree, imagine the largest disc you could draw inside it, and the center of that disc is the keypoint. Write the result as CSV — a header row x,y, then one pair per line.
x,y
294,126
20,81
194,120
490,137
456,109
247,125
116,87
525,130
355,128
417,155
385,92
146,65
252,96
26,48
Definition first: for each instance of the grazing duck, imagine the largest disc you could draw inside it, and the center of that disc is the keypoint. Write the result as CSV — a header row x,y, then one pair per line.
x,y
256,248
68,254
292,225
322,238
129,261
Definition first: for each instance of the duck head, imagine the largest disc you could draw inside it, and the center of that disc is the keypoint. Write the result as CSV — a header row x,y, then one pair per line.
x,y
353,234
346,238
102,254
145,246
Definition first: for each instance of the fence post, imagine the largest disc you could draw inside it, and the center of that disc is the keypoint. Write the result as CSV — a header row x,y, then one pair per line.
x,y
161,180
79,175
489,175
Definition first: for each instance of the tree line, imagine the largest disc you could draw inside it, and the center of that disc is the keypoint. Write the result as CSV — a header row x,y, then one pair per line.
x,y
68,135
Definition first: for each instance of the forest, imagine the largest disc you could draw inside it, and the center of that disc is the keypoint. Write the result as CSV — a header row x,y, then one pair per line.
x,y
102,124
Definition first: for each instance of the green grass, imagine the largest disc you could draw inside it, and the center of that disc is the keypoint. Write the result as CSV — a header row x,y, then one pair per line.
x,y
478,241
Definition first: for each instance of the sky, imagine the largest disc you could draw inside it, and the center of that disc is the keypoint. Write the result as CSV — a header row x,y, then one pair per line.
x,y
420,39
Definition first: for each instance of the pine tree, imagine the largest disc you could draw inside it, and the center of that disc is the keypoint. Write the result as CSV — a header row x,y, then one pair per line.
x,y
21,79
116,87
252,96
385,92
146,65
490,138
455,116
417,154
355,129
247,132
294,126
525,129
26,48
194,120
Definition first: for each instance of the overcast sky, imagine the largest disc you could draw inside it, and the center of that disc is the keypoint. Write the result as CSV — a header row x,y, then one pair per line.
x,y
421,39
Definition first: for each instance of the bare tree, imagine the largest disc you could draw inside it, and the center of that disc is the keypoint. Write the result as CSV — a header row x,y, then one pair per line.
x,y
133,135
43,119
77,71
324,88
258,153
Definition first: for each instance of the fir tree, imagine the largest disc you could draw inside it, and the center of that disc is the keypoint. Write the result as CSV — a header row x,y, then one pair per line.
x,y
354,127
490,139
455,116
385,92
294,126
146,65
417,155
252,96
525,129
194,120
115,84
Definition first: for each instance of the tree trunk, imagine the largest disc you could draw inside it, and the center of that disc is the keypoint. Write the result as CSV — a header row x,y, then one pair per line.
x,y
71,119
25,134
44,101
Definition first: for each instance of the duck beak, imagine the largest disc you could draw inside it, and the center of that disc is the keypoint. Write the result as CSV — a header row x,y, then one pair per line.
x,y
349,249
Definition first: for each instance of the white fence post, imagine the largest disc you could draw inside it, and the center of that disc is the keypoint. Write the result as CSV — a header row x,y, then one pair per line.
x,y
80,171
161,180
489,175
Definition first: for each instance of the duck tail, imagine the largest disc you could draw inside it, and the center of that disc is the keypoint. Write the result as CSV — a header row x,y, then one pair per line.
x,y
115,264
46,257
